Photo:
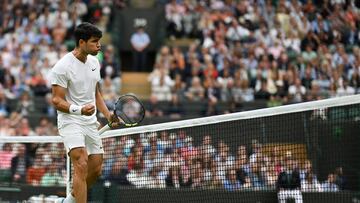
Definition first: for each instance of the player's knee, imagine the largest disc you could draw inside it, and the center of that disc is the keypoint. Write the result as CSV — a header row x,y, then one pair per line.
x,y
97,172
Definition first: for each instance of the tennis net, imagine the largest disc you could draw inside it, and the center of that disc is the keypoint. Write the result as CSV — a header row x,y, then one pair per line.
x,y
306,152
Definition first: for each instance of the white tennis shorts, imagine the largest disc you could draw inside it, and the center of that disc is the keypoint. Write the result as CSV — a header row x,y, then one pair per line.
x,y
76,135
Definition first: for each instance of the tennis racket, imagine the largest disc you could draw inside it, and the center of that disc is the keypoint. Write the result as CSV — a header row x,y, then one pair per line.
x,y
129,109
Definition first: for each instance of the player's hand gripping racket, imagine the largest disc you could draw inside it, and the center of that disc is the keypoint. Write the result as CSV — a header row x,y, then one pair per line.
x,y
129,109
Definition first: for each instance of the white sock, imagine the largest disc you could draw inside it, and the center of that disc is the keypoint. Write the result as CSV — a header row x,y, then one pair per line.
x,y
70,199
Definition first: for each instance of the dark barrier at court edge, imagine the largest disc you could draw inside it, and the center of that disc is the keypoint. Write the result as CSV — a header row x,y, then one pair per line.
x,y
121,194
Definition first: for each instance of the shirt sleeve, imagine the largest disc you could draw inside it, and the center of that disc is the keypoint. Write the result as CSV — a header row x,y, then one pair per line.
x,y
59,77
98,77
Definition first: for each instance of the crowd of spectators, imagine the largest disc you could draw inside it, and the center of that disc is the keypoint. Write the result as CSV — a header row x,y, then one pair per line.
x,y
281,51
163,160
34,35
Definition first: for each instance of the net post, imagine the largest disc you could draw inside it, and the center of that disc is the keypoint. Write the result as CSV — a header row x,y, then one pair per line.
x,y
68,174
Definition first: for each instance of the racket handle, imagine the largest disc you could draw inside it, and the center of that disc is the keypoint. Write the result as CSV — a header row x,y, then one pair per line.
x,y
103,129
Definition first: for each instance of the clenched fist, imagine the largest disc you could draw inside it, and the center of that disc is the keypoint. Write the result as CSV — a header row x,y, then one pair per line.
x,y
88,110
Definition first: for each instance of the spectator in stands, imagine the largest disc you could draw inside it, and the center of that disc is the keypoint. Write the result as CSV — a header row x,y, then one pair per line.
x,y
288,183
6,154
136,156
38,84
49,109
19,164
94,13
297,91
308,54
25,106
269,173
178,64
5,127
310,184
175,179
211,108
263,93
161,86
140,40
59,32
154,109
256,176
339,178
153,157
345,89
241,92
241,164
111,68
119,170
108,92
163,59
355,79
207,147
178,89
332,90
195,92
329,185
53,176
4,108
206,161
189,151
23,128
137,177
47,127
79,7
35,172
174,12
225,82
215,181
156,178
307,169
231,183
164,143
255,154
175,110
212,90
197,175
224,160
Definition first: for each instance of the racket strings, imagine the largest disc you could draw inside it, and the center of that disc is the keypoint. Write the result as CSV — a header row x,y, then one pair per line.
x,y
129,109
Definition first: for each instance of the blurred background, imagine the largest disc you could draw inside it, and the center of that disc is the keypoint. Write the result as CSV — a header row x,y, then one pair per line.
x,y
183,58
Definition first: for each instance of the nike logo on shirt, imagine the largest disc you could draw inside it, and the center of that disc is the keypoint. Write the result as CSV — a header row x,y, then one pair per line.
x,y
93,69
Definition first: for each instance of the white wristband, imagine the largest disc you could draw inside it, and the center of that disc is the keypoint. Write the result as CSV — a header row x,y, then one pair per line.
x,y
74,109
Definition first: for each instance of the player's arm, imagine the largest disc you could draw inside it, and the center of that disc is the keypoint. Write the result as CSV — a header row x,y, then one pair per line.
x,y
58,98
60,103
114,121
100,103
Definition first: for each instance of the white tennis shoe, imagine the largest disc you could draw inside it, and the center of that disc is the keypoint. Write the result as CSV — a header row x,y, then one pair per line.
x,y
60,200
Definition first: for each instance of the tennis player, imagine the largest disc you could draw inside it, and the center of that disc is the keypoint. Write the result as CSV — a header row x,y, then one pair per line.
x,y
76,96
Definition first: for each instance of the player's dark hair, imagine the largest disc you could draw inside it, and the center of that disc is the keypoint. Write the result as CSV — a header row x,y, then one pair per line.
x,y
85,31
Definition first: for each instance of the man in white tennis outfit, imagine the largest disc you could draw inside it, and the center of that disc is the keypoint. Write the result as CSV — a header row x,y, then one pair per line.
x,y
76,96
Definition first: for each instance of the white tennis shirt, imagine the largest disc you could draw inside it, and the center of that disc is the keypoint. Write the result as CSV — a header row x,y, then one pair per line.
x,y
80,80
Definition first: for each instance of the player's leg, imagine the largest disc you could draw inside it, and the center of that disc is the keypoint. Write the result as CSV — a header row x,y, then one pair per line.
x,y
79,159
95,151
95,162
74,142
